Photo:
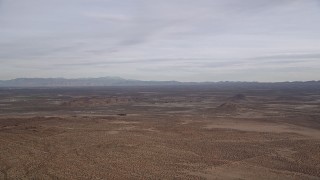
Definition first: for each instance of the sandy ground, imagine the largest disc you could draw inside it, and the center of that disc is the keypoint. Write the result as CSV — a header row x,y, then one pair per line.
x,y
160,135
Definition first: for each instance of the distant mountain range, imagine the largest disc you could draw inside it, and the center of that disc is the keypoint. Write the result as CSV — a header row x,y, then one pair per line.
x,y
117,81
62,82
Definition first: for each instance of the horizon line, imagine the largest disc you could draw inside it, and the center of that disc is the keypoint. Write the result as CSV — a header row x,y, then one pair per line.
x,y
225,81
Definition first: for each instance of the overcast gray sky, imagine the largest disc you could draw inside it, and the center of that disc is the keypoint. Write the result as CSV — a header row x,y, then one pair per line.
x,y
185,40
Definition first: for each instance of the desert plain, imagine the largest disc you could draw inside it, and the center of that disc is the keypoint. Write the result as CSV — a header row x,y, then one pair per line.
x,y
159,132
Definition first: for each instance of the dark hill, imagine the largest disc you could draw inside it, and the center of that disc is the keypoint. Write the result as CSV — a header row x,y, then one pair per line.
x,y
238,97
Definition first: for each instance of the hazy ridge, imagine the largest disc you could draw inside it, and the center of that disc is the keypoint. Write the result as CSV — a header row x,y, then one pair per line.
x,y
117,81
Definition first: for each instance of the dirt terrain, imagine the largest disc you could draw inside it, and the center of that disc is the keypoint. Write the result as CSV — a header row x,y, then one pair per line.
x,y
159,133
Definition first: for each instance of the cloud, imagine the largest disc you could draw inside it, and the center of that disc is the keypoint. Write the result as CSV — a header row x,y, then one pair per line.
x,y
200,40
116,18
291,57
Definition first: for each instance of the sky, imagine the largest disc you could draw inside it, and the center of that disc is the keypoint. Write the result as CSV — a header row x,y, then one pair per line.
x,y
184,40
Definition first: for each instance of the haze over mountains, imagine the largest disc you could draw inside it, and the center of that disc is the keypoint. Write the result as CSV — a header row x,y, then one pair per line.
x,y
63,82
117,81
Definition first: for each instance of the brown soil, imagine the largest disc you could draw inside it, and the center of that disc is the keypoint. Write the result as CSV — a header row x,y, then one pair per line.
x,y
228,108
158,139
96,101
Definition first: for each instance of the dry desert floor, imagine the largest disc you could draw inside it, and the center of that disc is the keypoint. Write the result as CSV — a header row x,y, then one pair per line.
x,y
159,133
